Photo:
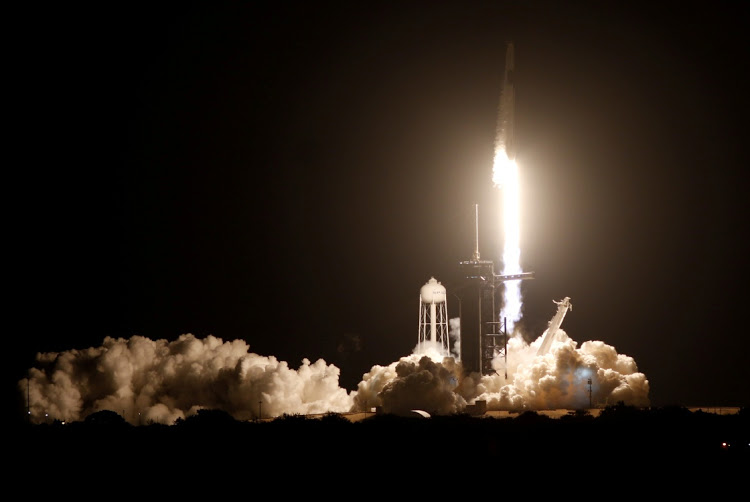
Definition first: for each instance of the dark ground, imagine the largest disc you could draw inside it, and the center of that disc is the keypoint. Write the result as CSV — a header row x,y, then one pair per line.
x,y
658,446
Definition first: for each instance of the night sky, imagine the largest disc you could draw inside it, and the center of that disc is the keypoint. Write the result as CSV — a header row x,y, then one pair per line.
x,y
291,174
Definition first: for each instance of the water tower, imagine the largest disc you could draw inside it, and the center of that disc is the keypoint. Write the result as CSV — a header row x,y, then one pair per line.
x,y
433,316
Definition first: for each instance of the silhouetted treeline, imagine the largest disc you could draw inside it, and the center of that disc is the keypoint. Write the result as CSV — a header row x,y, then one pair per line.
x,y
620,436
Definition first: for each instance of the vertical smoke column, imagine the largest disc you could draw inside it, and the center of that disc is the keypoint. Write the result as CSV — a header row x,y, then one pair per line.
x,y
505,176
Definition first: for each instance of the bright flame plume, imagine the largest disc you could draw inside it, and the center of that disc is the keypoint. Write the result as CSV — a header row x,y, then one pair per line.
x,y
505,176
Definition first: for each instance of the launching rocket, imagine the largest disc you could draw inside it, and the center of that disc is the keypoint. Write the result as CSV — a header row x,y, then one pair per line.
x,y
482,341
507,104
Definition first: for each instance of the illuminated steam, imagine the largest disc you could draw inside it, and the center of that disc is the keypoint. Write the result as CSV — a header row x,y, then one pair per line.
x,y
558,379
149,381
414,382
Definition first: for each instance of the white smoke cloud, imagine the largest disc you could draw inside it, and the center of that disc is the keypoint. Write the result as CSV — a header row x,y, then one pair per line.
x,y
455,335
559,379
159,381
414,382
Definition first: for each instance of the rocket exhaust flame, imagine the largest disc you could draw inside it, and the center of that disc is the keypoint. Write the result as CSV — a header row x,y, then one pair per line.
x,y
505,176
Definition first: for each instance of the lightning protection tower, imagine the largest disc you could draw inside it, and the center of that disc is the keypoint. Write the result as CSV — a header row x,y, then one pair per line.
x,y
433,317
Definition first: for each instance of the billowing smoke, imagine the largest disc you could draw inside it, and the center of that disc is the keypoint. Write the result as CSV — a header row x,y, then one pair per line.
x,y
557,379
149,381
560,378
413,382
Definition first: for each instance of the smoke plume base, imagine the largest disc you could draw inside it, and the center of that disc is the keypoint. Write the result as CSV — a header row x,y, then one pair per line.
x,y
158,381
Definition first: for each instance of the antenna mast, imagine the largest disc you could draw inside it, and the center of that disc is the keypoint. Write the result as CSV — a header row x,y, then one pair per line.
x,y
475,257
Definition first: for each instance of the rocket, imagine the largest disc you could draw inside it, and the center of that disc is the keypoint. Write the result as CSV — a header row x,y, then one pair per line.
x,y
507,104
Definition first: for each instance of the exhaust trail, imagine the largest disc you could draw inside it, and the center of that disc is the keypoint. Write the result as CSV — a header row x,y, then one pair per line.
x,y
505,177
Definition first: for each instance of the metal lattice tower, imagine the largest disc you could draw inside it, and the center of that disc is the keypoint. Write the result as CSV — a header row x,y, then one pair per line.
x,y
482,336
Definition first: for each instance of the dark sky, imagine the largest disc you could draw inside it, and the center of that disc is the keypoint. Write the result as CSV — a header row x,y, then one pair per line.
x,y
291,173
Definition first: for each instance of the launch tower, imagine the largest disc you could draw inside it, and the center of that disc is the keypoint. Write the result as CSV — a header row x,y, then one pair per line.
x,y
483,334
